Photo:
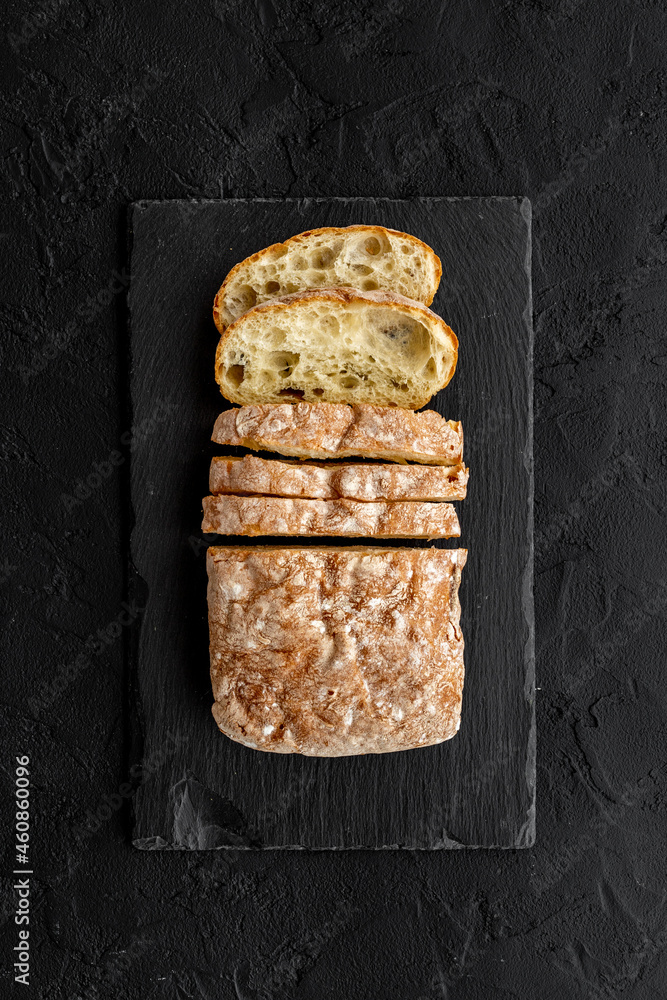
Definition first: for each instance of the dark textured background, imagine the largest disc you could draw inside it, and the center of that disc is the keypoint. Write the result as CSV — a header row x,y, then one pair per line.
x,y
564,102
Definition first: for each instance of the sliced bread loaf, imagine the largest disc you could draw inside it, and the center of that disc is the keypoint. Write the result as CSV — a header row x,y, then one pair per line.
x,y
363,257
235,515
350,480
337,345
327,430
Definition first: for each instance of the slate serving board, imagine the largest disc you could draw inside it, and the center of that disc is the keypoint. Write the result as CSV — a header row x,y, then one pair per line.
x,y
200,790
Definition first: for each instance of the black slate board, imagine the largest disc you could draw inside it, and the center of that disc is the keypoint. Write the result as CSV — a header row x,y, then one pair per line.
x,y
202,791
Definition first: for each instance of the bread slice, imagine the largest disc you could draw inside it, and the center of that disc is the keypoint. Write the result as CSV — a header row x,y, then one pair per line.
x,y
337,345
327,430
235,515
363,257
351,480
330,652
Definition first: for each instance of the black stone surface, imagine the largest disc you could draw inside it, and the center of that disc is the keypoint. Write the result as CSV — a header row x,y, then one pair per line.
x,y
474,791
107,104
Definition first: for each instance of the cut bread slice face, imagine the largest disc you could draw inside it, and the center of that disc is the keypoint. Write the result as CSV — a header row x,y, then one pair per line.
x,y
362,257
337,480
337,345
330,430
241,515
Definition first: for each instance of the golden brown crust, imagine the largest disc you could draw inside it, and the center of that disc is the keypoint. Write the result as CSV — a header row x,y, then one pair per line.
x,y
302,238
347,480
244,515
334,430
332,651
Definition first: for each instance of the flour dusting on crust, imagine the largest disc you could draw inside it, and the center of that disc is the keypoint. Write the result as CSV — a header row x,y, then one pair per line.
x,y
335,651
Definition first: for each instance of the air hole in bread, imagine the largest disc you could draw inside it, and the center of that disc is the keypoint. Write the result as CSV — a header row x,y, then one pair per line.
x,y
247,296
295,393
283,362
235,374
300,264
362,269
318,392
350,382
272,286
429,368
370,285
406,249
372,246
322,257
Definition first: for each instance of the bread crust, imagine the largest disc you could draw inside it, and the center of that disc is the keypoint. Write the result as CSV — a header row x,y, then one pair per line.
x,y
347,480
252,516
336,430
345,298
302,239
332,652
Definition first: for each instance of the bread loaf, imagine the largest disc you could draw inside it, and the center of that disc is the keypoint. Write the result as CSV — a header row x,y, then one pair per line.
x,y
337,345
330,652
362,257
242,515
326,430
352,480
